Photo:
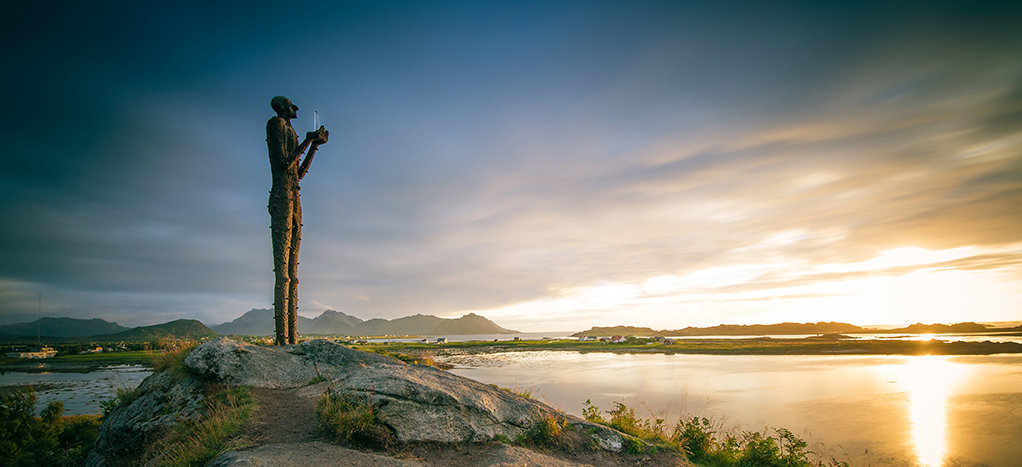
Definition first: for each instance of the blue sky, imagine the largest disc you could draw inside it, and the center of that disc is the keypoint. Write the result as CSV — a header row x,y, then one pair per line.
x,y
550,165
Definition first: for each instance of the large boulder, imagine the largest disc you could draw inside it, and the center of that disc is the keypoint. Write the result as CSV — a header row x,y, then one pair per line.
x,y
422,403
241,364
161,401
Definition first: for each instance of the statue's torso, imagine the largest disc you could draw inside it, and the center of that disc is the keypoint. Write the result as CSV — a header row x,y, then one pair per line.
x,y
285,179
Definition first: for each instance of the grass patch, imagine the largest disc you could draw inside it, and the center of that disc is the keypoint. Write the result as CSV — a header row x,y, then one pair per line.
x,y
702,444
526,393
172,360
544,433
194,443
352,421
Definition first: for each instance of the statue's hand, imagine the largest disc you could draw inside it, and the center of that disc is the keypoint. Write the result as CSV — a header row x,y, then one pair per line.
x,y
319,136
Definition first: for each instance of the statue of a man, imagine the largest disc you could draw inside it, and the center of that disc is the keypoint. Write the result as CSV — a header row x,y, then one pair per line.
x,y
286,211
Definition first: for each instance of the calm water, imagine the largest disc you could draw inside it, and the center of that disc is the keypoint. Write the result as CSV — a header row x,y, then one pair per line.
x,y
82,393
867,410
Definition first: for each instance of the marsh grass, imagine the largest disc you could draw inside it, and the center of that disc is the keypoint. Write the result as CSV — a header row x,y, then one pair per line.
x,y
703,444
194,443
352,421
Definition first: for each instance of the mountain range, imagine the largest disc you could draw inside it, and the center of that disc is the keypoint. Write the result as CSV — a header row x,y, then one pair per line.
x,y
786,329
255,322
62,327
259,322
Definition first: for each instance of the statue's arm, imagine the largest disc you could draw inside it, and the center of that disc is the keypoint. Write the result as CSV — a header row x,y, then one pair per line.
x,y
308,160
317,138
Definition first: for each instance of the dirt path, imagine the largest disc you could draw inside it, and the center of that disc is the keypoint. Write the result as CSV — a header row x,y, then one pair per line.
x,y
283,416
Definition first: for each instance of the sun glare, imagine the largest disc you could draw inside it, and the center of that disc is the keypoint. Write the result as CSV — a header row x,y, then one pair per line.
x,y
928,382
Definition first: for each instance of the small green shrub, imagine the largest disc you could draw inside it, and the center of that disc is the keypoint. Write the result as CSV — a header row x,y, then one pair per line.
x,y
592,413
547,430
353,421
695,436
501,438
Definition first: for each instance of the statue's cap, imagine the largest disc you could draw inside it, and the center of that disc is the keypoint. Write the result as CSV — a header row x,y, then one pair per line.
x,y
280,103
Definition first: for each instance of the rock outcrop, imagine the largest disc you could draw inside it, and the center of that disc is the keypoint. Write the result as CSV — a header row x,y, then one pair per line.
x,y
163,400
416,403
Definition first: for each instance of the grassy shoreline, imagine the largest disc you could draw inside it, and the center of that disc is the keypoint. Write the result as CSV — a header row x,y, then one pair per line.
x,y
752,346
416,351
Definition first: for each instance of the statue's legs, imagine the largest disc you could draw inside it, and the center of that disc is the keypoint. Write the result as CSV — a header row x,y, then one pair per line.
x,y
281,217
292,292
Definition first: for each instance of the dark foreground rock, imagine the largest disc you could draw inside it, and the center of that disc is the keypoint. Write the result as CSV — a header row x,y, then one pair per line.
x,y
417,404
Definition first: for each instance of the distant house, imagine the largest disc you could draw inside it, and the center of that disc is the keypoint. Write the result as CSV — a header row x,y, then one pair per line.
x,y
587,338
45,352
441,340
516,339
425,340
668,341
95,350
617,339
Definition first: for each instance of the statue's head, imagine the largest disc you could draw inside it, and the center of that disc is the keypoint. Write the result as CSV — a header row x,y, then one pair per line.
x,y
284,107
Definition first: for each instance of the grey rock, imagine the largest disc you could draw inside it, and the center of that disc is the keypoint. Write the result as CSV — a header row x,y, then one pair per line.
x,y
606,437
422,403
164,400
241,364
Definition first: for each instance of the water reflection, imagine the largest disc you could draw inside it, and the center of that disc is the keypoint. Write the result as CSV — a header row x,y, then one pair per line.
x,y
866,410
929,381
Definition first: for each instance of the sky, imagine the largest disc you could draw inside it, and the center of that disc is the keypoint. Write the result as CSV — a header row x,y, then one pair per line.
x,y
550,165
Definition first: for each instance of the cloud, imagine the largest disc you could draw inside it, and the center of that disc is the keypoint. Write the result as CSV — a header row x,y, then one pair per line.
x,y
482,158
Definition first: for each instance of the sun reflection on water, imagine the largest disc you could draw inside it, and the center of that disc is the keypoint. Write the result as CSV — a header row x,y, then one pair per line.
x,y
929,382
